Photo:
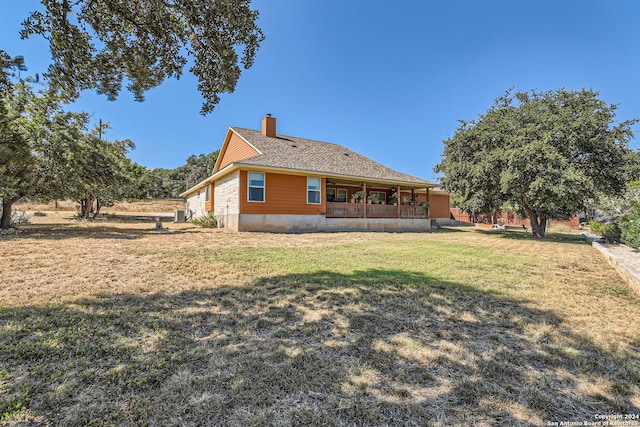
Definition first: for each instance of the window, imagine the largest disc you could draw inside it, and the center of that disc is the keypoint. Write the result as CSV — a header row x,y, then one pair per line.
x,y
256,187
336,194
207,193
379,197
313,190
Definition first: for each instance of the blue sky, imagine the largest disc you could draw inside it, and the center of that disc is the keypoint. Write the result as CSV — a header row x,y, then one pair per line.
x,y
387,79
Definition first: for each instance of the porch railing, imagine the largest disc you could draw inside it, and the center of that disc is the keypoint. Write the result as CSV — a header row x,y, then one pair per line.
x,y
356,210
344,210
413,212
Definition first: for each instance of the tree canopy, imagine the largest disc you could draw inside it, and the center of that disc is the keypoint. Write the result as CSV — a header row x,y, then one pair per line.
x,y
103,43
545,154
49,153
17,162
75,163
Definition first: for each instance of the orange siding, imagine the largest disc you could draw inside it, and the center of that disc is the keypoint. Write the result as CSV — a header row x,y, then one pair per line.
x,y
438,206
236,149
284,194
208,206
419,197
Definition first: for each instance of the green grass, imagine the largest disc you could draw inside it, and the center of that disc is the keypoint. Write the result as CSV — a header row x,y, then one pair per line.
x,y
448,328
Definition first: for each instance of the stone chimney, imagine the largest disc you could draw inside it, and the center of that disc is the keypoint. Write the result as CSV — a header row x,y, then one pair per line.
x,y
269,126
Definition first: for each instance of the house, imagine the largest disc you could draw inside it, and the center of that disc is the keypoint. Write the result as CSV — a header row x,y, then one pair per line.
x,y
264,181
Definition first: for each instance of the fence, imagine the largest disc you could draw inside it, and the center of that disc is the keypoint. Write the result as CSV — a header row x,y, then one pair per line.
x,y
508,217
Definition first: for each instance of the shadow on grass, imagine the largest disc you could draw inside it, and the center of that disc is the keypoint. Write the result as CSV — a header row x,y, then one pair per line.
x,y
377,347
64,231
106,231
450,229
133,218
520,235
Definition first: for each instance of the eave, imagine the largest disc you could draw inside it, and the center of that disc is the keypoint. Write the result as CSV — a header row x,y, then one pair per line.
x,y
238,165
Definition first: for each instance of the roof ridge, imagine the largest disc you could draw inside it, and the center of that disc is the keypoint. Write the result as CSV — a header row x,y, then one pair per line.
x,y
279,136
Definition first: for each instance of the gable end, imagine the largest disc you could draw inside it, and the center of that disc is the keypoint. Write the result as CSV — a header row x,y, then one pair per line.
x,y
234,148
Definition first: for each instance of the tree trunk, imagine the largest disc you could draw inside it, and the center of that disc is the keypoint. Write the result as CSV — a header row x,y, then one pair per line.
x,y
83,209
98,206
86,206
538,224
7,204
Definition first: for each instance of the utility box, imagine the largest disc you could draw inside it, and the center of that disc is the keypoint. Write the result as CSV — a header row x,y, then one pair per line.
x,y
178,216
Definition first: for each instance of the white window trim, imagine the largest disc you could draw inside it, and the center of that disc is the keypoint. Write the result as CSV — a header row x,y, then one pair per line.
x,y
380,192
319,190
264,187
330,189
336,193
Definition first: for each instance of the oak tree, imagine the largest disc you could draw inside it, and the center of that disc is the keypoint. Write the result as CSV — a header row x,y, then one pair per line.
x,y
544,153
49,153
17,162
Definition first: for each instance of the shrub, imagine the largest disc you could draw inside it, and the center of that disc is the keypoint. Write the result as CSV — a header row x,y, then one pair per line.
x,y
19,218
209,221
610,231
630,227
621,215
39,213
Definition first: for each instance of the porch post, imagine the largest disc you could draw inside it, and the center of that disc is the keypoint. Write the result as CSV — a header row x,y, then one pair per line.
x,y
398,202
364,209
413,202
428,203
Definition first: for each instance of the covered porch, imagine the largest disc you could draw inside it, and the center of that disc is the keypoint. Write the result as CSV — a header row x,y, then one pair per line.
x,y
364,199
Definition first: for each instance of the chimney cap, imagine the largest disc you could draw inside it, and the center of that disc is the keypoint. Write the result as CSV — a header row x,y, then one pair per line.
x,y
268,114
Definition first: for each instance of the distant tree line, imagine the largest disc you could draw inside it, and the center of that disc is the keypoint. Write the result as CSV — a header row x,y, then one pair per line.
x,y
168,183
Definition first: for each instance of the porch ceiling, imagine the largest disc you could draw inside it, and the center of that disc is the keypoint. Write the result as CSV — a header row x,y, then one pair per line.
x,y
371,185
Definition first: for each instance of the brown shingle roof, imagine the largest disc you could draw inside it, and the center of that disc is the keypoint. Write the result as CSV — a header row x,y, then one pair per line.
x,y
305,155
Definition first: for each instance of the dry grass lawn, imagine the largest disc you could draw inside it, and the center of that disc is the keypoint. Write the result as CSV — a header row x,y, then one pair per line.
x,y
115,323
